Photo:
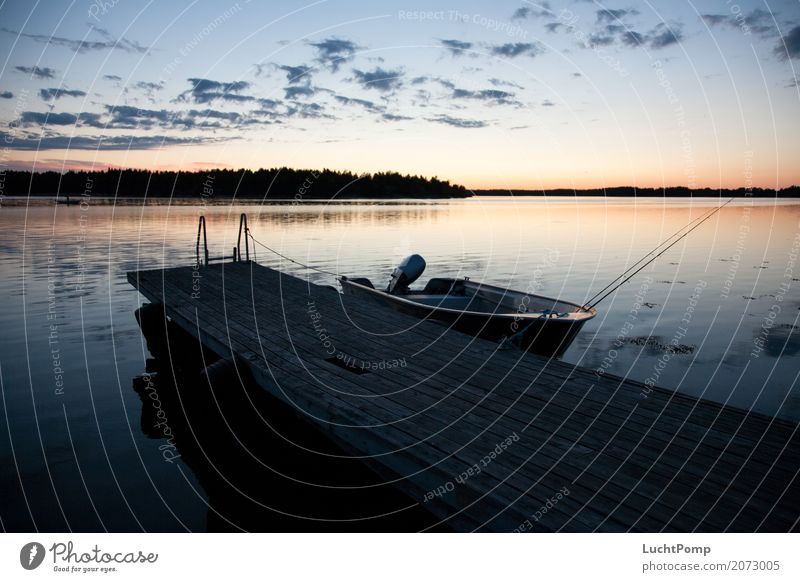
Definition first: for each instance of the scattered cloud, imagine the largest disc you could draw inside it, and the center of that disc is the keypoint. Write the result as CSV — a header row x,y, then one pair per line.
x,y
52,94
456,47
610,15
295,91
503,83
28,118
83,46
307,111
515,49
715,19
383,80
395,117
493,96
789,46
37,72
548,103
632,38
332,53
758,21
296,75
127,117
149,88
123,142
368,105
458,122
115,78
206,91
6,95
532,10
664,36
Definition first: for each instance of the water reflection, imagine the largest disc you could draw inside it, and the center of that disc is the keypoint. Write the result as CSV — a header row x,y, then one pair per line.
x,y
75,262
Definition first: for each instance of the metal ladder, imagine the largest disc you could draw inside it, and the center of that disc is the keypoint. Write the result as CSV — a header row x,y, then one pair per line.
x,y
237,250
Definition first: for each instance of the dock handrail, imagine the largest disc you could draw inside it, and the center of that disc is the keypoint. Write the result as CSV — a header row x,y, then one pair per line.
x,y
201,231
201,227
243,226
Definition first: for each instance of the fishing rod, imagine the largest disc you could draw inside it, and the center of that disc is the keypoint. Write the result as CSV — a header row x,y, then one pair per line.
x,y
665,241
593,301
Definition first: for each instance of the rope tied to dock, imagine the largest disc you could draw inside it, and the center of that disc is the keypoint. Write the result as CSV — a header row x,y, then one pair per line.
x,y
291,260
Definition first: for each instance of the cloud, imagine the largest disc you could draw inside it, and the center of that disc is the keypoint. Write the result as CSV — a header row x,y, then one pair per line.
x,y
515,49
368,105
758,21
127,117
53,94
548,103
533,11
503,83
494,96
456,47
116,78
394,117
83,46
6,95
789,46
663,36
632,38
381,79
596,39
206,91
296,75
37,72
714,19
213,114
28,118
610,15
295,91
149,88
458,122
307,111
268,103
123,142
334,52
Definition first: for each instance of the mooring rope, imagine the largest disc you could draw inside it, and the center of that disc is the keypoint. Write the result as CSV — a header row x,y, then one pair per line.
x,y
291,260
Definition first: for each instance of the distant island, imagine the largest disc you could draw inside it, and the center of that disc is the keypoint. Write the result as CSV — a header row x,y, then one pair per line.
x,y
669,192
298,184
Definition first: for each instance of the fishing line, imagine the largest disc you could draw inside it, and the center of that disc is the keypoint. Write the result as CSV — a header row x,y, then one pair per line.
x,y
593,301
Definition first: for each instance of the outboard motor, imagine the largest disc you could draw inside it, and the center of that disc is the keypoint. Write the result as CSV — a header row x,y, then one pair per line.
x,y
408,271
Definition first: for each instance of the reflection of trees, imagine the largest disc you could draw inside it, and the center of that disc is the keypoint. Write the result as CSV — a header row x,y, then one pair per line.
x,y
270,183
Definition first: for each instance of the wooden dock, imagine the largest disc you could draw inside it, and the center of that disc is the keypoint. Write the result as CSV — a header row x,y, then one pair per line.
x,y
489,439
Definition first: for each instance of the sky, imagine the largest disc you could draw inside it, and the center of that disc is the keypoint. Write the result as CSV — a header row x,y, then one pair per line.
x,y
502,94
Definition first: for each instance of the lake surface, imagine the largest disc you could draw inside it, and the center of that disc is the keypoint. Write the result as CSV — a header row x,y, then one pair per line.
x,y
716,316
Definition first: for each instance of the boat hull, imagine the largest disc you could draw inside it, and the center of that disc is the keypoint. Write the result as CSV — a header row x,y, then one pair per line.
x,y
541,335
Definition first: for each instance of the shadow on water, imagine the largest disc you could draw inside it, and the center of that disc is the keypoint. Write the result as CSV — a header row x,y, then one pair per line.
x,y
263,468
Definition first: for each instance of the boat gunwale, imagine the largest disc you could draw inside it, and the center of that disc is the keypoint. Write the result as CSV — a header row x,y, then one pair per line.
x,y
583,314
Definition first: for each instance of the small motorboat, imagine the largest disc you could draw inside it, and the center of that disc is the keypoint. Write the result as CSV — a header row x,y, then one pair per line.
x,y
535,323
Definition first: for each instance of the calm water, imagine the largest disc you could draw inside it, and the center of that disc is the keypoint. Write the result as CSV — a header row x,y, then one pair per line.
x,y
716,316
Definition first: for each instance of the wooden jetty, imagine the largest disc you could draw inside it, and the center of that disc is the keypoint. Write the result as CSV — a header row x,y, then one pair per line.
x,y
488,439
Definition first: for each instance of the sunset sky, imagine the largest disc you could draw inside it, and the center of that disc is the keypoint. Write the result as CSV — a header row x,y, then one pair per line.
x,y
502,94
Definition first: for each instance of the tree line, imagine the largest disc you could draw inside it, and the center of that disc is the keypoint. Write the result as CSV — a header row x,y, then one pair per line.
x,y
273,183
